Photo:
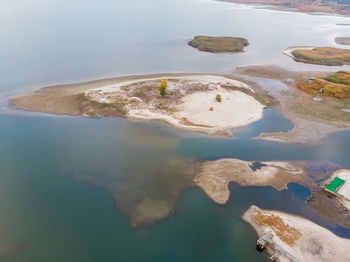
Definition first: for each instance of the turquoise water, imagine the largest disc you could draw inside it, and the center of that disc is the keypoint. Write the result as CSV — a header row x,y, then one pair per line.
x,y
70,186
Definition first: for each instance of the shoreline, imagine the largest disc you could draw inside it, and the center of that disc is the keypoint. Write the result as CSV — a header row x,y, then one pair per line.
x,y
288,51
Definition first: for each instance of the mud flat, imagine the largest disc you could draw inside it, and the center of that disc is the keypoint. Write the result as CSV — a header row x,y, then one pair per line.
x,y
303,239
190,102
334,207
215,176
345,189
313,119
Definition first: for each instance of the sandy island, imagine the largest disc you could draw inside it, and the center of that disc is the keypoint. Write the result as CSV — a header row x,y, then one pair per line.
x,y
189,103
299,237
215,176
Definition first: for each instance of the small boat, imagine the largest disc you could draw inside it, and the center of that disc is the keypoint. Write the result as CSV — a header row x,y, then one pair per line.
x,y
274,257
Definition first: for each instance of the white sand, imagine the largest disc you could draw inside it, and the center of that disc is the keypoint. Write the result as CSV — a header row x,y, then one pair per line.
x,y
236,109
315,244
289,50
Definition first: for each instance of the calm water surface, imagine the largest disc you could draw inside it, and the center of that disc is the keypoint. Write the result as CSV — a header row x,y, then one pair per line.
x,y
61,178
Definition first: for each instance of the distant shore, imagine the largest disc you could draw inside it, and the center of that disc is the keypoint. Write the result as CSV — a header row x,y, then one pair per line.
x,y
284,5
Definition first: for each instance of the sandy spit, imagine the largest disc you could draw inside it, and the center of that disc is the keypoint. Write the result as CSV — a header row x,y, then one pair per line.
x,y
288,51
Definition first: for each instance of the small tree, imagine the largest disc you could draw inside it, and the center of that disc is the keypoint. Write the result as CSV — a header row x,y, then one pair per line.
x,y
162,87
218,97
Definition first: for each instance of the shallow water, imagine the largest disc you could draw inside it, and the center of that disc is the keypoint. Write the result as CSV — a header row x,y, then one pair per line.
x,y
61,178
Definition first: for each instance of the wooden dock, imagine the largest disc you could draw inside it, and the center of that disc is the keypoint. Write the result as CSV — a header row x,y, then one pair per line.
x,y
267,239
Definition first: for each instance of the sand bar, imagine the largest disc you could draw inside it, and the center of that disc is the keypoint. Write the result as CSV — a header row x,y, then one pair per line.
x,y
215,176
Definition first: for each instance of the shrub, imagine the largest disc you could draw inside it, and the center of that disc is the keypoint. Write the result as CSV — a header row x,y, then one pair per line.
x,y
162,87
218,98
211,108
285,232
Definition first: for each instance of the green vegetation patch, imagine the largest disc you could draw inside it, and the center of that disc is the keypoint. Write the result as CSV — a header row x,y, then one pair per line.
x,y
219,44
341,77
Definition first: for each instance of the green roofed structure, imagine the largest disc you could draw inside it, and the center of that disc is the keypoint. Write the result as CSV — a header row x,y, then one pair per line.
x,y
334,186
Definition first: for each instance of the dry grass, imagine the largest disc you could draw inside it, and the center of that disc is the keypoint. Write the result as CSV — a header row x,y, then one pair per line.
x,y
285,232
323,55
336,85
312,88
